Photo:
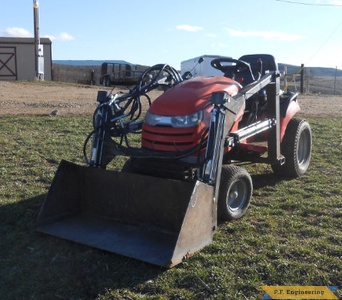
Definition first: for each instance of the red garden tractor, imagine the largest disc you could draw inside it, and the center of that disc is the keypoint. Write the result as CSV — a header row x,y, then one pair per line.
x,y
185,173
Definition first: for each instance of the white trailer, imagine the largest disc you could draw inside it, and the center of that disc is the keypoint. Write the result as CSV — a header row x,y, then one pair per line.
x,y
200,66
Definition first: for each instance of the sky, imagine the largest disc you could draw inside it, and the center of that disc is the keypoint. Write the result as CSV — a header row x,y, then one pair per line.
x,y
149,32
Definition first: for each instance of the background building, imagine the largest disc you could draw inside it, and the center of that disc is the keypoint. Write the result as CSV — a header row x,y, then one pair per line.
x,y
17,58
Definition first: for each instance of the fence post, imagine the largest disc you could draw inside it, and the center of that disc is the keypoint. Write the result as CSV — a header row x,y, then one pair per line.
x,y
302,78
335,81
307,85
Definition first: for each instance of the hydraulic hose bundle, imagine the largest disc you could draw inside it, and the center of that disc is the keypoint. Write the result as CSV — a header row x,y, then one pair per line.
x,y
118,114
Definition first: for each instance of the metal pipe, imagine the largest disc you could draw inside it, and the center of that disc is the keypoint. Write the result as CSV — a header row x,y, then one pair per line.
x,y
252,130
36,37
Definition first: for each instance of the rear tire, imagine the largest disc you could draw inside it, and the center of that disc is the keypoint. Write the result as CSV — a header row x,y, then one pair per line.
x,y
235,193
296,148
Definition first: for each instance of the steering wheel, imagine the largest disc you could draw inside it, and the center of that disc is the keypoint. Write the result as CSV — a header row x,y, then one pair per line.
x,y
231,67
226,63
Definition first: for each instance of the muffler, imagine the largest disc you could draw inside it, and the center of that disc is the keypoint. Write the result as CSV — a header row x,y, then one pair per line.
x,y
155,220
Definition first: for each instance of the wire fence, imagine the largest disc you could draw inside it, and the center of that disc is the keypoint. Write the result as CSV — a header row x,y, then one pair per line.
x,y
76,74
306,82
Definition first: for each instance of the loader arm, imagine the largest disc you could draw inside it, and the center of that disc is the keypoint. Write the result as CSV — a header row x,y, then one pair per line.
x,y
223,117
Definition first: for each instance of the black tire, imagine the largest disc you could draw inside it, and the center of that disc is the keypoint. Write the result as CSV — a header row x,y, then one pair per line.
x,y
296,148
128,167
235,193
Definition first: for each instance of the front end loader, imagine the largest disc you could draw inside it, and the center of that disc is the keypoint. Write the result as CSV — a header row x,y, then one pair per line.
x,y
184,175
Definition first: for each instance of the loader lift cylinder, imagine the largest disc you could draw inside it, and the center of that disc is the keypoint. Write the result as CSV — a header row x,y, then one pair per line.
x,y
273,111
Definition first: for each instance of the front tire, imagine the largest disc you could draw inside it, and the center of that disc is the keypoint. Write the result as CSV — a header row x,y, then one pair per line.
x,y
235,193
128,167
296,148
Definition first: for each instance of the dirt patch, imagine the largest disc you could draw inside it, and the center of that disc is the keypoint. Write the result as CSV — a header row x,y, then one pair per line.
x,y
320,105
43,98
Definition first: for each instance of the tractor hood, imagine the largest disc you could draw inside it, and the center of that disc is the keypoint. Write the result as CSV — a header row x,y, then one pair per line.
x,y
192,95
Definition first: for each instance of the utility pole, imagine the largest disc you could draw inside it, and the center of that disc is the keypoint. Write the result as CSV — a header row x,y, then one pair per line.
x,y
38,49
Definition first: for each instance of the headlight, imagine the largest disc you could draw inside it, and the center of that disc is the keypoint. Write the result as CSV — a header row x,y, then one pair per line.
x,y
176,121
187,120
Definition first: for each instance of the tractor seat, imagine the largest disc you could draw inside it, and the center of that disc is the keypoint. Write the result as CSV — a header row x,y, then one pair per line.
x,y
244,75
260,63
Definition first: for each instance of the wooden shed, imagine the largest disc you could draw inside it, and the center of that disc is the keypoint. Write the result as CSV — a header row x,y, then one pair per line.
x,y
17,58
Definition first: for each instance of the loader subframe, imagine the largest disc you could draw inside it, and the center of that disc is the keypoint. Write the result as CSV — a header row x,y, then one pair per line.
x,y
271,82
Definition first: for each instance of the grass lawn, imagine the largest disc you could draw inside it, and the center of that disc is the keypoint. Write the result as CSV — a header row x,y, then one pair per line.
x,y
291,235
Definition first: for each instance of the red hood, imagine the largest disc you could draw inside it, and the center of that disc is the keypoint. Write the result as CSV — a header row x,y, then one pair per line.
x,y
192,95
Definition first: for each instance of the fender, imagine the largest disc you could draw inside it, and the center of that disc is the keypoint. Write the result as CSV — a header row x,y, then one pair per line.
x,y
288,108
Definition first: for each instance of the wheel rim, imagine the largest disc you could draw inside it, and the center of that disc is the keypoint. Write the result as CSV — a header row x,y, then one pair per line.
x,y
237,195
304,148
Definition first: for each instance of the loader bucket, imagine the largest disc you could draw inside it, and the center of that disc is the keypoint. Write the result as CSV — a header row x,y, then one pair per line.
x,y
156,220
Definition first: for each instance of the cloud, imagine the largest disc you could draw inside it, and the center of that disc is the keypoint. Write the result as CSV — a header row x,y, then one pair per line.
x,y
16,32
336,2
267,35
63,36
22,32
330,2
189,28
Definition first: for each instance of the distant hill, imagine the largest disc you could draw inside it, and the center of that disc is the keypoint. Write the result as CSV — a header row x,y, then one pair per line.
x,y
87,62
291,69
314,71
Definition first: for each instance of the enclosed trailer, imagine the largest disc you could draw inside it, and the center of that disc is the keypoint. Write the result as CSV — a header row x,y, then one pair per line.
x,y
120,73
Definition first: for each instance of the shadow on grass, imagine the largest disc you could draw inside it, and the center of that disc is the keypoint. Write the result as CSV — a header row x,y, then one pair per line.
x,y
263,180
36,266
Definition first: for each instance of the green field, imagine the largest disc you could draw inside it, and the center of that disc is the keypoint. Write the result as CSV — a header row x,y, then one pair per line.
x,y
291,235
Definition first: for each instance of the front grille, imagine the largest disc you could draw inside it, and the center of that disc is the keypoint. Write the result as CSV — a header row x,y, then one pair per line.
x,y
171,139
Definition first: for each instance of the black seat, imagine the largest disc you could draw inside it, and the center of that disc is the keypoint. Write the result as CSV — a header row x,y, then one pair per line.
x,y
244,74
260,63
